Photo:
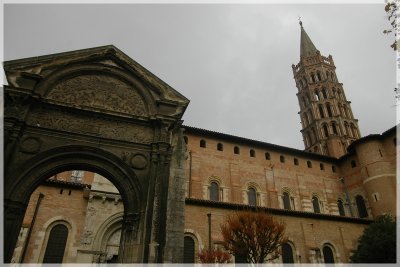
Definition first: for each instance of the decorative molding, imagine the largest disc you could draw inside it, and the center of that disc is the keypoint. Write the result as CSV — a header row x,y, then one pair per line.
x,y
94,126
30,145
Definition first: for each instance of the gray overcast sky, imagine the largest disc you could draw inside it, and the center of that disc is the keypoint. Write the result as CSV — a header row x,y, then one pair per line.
x,y
233,61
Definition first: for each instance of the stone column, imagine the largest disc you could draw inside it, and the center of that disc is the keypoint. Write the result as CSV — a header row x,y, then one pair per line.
x,y
173,251
14,213
130,225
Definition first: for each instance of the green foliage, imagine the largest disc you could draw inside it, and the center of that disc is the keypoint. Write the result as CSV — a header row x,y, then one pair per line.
x,y
378,242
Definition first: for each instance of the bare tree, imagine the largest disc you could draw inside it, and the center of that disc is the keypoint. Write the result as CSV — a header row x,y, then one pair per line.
x,y
392,11
214,256
257,236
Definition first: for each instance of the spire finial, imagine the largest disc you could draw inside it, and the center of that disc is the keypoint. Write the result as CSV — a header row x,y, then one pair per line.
x,y
301,23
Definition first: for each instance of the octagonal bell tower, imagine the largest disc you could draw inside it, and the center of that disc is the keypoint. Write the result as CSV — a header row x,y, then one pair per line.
x,y
328,124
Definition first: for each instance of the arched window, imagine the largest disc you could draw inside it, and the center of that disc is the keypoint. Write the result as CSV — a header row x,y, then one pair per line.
x,y
329,109
56,244
325,129
252,153
324,93
252,196
188,249
282,159
354,130
220,147
309,164
321,166
236,150
310,140
317,96
340,207
346,128
305,118
202,143
312,77
267,156
362,210
328,254
315,203
214,191
286,201
321,111
287,253
334,128
319,76
296,161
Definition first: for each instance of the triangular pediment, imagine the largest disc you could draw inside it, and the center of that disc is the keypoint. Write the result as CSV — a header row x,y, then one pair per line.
x,y
105,69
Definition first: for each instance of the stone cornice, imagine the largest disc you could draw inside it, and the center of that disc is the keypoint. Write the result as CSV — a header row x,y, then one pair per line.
x,y
283,212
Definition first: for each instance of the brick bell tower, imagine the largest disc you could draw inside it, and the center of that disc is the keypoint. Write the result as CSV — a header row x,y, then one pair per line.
x,y
328,124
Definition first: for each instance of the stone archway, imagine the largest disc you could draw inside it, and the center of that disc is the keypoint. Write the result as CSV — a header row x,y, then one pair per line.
x,y
95,110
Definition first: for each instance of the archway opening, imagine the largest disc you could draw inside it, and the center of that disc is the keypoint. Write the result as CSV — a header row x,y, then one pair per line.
x,y
74,216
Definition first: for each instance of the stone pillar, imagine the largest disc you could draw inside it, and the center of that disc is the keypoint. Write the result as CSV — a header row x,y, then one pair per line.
x,y
130,225
173,251
161,158
14,213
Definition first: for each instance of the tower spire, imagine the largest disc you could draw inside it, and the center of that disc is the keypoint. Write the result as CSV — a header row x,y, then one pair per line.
x,y
328,124
307,48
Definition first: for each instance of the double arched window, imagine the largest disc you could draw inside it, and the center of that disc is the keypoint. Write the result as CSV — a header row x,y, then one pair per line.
x,y
56,244
252,196
287,200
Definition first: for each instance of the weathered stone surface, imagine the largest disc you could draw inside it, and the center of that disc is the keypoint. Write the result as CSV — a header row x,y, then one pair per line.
x,y
99,92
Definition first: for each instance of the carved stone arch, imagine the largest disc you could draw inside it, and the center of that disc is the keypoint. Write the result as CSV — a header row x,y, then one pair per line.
x,y
111,224
95,86
46,133
48,163
53,161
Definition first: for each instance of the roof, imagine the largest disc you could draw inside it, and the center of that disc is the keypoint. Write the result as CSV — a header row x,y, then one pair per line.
x,y
372,137
307,48
284,212
251,142
66,184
